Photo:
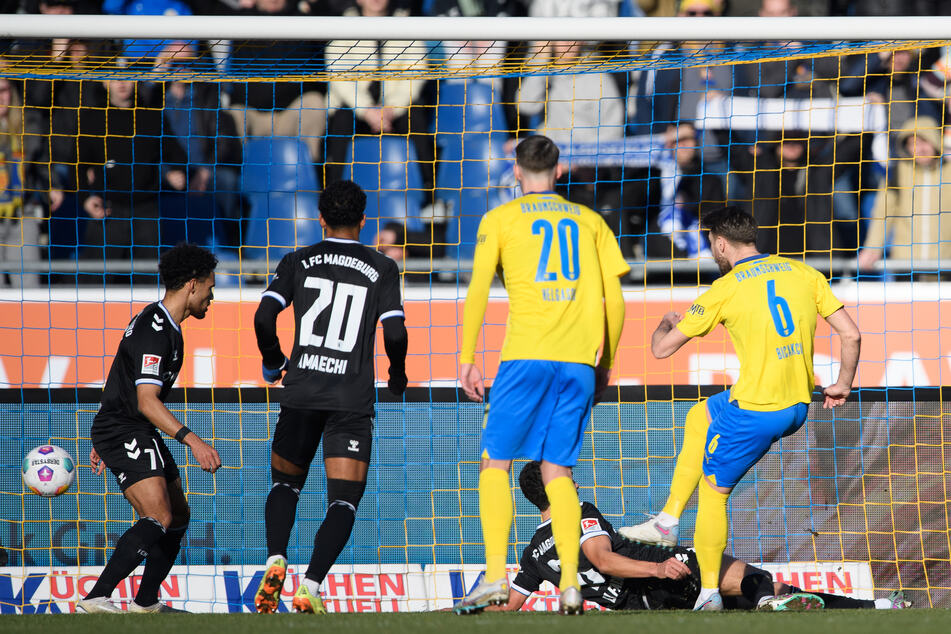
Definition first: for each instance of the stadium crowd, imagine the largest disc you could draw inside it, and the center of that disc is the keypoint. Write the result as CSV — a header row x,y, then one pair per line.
x,y
77,186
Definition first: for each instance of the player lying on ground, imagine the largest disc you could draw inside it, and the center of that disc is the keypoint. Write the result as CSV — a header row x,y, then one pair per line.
x,y
125,432
769,307
620,574
340,290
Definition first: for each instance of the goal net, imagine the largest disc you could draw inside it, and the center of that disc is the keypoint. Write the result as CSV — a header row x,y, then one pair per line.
x,y
224,135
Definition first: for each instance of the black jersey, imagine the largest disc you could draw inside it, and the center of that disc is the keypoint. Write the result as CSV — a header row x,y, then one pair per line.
x,y
540,563
151,351
340,290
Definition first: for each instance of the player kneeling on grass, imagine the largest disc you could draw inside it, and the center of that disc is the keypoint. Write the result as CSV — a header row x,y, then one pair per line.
x,y
340,290
620,574
125,432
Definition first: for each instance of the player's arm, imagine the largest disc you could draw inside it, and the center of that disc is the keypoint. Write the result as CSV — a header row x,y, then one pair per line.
x,y
667,338
152,407
396,343
850,342
477,297
265,330
614,310
599,553
279,293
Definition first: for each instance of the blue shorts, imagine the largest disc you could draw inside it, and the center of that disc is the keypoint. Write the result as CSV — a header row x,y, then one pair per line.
x,y
737,438
538,410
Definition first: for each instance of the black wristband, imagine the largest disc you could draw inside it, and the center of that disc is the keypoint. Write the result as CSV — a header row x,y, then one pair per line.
x,y
181,433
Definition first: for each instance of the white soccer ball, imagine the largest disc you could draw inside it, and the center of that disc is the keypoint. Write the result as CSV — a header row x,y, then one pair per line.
x,y
48,470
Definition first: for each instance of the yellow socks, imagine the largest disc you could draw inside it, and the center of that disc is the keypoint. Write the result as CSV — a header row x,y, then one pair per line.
x,y
689,466
565,527
709,539
496,511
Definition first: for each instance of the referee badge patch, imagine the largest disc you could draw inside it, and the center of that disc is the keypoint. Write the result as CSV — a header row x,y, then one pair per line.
x,y
151,363
589,525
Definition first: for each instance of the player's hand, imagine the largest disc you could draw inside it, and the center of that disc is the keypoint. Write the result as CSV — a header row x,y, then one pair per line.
x,y
273,375
602,378
671,319
472,383
98,466
835,395
397,382
205,455
673,568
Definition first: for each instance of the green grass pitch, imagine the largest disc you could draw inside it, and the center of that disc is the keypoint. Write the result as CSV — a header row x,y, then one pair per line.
x,y
836,622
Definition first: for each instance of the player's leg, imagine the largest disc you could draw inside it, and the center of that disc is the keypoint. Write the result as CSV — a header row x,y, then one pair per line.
x,y
663,529
568,420
164,552
131,456
296,437
508,432
149,498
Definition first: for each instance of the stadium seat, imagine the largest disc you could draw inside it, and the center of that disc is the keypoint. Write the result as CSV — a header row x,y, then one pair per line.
x,y
466,106
280,185
385,167
466,184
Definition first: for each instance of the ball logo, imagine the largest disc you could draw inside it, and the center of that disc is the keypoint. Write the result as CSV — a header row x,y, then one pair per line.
x,y
45,450
45,474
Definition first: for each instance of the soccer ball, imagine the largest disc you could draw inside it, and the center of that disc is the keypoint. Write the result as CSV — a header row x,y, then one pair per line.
x,y
48,470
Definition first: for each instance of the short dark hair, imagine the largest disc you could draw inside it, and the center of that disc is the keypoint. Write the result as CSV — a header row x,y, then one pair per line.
x,y
732,223
185,262
533,488
537,154
342,203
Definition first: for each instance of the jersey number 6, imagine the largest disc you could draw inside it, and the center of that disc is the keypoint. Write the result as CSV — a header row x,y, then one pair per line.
x,y
344,326
779,309
567,249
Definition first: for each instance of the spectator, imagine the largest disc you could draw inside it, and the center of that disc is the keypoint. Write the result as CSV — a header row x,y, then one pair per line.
x,y
792,199
909,216
588,109
697,192
213,151
284,108
472,54
376,107
19,228
121,155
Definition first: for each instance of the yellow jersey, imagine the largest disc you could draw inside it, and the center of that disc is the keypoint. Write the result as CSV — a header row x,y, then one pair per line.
x,y
553,256
768,305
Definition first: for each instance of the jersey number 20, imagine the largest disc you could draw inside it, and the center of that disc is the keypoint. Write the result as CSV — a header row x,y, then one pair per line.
x,y
567,249
344,326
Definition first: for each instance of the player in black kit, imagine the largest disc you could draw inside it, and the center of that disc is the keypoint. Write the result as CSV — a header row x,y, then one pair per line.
x,y
340,290
623,575
125,432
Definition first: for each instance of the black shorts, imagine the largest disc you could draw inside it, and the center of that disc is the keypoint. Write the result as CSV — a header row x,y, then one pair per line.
x,y
133,454
299,432
661,594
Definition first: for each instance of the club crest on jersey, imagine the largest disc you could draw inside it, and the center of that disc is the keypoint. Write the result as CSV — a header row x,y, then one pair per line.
x,y
150,364
589,524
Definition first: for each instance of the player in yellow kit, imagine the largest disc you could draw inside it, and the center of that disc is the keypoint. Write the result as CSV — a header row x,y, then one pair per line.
x,y
768,305
561,266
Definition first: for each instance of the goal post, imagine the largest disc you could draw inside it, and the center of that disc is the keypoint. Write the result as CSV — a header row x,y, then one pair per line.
x,y
657,119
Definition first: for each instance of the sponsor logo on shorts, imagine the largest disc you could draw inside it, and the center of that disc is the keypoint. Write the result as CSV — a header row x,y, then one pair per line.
x,y
132,449
354,446
589,524
151,363
121,477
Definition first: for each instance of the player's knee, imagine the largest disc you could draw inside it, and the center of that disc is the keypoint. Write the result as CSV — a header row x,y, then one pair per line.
x,y
345,492
162,517
294,482
180,519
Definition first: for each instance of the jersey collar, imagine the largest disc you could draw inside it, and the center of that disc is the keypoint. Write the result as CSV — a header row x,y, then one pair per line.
x,y
342,240
752,258
169,315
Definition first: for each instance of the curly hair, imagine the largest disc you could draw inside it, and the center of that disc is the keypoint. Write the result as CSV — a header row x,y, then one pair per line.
x,y
341,204
533,488
185,262
732,223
